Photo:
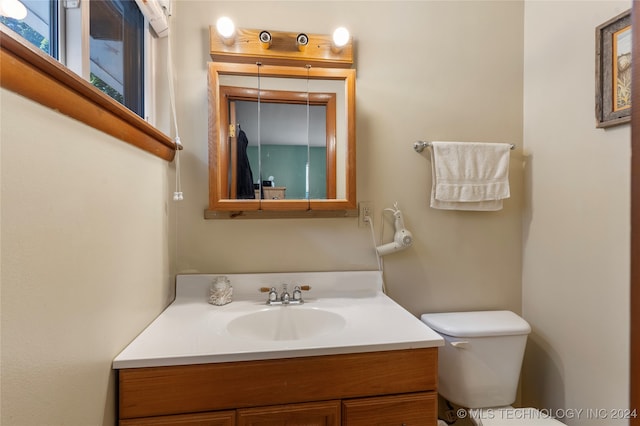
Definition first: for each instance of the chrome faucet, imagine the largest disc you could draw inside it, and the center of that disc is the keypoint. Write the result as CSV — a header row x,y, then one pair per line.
x,y
285,298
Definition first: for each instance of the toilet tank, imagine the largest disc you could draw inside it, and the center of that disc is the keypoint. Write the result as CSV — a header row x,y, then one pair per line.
x,y
479,364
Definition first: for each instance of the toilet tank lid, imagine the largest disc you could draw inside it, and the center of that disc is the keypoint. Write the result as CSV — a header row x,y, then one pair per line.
x,y
477,324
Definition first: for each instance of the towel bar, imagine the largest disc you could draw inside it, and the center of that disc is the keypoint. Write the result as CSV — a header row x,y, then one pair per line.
x,y
419,146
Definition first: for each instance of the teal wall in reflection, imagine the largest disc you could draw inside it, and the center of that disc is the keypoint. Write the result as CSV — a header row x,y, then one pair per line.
x,y
286,163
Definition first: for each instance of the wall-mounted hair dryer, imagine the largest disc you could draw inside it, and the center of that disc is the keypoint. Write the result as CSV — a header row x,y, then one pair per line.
x,y
402,237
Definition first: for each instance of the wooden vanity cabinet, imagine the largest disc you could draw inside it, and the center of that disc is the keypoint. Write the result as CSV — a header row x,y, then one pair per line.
x,y
272,192
366,389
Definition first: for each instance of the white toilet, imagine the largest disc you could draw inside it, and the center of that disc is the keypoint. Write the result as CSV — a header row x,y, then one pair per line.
x,y
479,365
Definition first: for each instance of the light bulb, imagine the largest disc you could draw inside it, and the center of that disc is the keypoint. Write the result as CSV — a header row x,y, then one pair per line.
x,y
265,39
301,41
225,27
13,9
340,37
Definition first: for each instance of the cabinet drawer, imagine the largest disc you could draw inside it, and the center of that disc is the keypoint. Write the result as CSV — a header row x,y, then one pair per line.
x,y
225,418
309,414
417,409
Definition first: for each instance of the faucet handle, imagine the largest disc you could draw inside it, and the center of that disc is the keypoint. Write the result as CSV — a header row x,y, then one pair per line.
x,y
273,294
297,292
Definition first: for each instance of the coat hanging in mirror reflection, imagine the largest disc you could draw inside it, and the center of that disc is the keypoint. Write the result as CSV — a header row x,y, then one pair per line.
x,y
244,183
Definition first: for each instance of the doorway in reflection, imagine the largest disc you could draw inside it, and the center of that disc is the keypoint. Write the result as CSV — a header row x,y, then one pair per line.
x,y
286,143
287,157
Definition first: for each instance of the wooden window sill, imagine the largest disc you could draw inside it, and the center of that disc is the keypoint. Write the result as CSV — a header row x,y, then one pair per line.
x,y
35,75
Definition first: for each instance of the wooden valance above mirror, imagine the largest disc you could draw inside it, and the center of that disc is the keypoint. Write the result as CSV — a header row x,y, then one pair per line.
x,y
246,47
265,163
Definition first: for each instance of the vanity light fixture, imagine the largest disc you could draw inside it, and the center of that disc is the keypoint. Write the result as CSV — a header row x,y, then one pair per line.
x,y
341,37
302,40
227,30
245,45
265,39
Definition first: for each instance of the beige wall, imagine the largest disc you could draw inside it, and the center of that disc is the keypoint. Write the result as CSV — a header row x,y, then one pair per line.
x,y
576,220
425,70
84,263
87,244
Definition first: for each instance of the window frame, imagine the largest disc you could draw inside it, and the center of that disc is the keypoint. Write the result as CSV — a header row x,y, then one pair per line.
x,y
37,76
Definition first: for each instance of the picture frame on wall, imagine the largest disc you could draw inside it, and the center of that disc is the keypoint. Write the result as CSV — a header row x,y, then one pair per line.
x,y
613,71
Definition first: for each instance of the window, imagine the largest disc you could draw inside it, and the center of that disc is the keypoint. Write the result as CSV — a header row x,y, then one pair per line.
x,y
39,26
116,43
66,54
117,51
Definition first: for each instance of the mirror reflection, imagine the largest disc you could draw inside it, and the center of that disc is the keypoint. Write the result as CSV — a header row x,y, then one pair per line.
x,y
288,159
295,133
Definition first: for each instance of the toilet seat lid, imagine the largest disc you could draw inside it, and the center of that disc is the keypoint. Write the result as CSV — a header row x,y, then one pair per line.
x,y
512,417
477,324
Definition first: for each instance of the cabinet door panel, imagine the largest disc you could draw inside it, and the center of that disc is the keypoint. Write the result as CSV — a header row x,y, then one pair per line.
x,y
418,409
308,414
226,418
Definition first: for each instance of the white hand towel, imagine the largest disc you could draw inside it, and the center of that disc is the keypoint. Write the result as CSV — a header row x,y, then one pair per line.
x,y
469,175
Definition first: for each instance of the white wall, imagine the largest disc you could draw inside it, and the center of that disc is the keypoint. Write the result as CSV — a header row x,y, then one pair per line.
x,y
576,221
425,70
85,262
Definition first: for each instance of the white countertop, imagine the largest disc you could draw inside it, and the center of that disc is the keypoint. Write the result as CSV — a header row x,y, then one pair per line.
x,y
192,331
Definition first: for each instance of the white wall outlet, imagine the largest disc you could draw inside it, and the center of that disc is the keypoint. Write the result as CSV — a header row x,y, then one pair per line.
x,y
365,211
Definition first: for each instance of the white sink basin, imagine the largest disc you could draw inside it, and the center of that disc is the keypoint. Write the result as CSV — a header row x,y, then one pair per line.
x,y
286,323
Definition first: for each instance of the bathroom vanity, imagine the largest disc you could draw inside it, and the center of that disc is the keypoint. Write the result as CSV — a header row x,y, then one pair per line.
x,y
348,356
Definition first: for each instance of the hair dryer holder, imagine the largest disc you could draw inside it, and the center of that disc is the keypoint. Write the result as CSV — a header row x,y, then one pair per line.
x,y
402,238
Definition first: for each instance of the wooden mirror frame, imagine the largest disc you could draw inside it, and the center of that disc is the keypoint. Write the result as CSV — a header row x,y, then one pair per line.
x,y
224,208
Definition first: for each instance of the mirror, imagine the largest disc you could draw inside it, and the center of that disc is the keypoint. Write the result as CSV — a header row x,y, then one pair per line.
x,y
295,153
289,132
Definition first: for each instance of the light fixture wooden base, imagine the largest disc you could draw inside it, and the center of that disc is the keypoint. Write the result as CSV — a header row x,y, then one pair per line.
x,y
283,50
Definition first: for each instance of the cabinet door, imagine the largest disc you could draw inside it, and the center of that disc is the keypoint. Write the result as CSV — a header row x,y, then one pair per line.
x,y
223,418
417,409
307,414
